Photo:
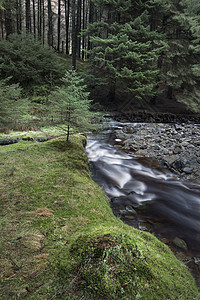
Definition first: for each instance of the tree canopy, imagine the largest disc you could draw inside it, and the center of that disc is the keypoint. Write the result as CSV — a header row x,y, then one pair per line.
x,y
132,45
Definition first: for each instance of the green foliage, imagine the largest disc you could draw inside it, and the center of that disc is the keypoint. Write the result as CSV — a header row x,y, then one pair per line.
x,y
126,50
1,4
69,105
28,62
13,108
180,59
38,93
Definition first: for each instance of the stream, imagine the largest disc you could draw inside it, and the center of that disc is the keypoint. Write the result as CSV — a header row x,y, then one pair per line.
x,y
144,195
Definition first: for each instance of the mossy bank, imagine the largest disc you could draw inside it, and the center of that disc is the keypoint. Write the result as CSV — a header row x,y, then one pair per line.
x,y
60,239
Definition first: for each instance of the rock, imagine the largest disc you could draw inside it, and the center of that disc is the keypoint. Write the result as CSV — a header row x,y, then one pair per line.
x,y
173,145
170,159
129,211
178,165
177,150
180,243
4,142
188,170
184,144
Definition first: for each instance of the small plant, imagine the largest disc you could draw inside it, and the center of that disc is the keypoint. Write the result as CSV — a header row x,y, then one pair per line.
x,y
69,105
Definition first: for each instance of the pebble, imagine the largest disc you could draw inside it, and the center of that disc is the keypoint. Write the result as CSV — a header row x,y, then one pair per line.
x,y
177,146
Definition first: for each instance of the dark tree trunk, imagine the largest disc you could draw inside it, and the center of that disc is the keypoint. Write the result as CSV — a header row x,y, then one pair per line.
x,y
112,90
28,16
78,28
19,16
34,19
91,19
74,35
170,92
67,7
8,19
1,25
43,22
58,30
83,27
39,19
50,24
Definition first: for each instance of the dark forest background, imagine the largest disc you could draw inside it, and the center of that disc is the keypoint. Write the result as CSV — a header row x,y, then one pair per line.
x,y
139,48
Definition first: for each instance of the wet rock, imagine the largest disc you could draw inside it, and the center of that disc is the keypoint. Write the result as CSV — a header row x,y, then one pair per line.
x,y
180,243
178,165
4,142
173,145
170,159
128,212
177,150
188,170
41,139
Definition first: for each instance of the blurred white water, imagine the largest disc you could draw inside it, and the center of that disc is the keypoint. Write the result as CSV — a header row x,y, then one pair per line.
x,y
131,182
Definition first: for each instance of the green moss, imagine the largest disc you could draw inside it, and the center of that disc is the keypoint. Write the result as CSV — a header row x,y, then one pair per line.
x,y
60,239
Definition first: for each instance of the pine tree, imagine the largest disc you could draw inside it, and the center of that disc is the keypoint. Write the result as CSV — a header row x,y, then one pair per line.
x,y
70,105
13,108
123,46
182,59
28,62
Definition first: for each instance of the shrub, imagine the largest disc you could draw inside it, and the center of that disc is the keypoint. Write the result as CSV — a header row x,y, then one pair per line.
x,y
28,62
13,108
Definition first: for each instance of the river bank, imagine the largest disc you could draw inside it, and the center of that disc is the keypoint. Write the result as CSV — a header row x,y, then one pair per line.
x,y
60,239
175,146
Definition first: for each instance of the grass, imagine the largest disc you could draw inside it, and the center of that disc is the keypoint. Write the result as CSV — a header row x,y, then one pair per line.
x,y
60,239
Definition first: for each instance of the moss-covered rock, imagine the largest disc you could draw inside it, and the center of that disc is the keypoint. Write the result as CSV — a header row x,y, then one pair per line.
x,y
125,266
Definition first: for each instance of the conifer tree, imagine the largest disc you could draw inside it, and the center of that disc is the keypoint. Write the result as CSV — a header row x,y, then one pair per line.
x,y
13,108
28,62
123,45
70,105
182,59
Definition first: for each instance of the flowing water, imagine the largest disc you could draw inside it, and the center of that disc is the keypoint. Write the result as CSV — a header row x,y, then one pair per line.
x,y
144,195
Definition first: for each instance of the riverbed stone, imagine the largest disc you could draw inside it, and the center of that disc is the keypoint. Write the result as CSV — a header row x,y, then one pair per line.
x,y
176,146
188,170
180,243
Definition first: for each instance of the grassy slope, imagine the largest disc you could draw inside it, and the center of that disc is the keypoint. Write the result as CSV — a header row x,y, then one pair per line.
x,y
60,239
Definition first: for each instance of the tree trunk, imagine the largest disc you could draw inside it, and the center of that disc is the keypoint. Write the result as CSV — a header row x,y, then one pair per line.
x,y
28,16
112,90
8,19
34,19
74,35
43,22
91,18
170,92
67,7
78,28
50,24
83,27
39,19
2,25
58,30
18,16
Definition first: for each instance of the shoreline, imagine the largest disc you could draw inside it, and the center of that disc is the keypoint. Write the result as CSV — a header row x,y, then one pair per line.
x,y
176,147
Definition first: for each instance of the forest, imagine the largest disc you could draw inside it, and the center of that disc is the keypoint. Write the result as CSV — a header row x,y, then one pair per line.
x,y
137,48
95,204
